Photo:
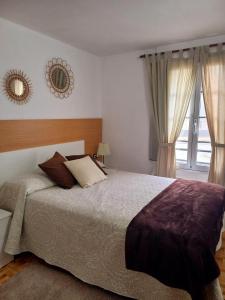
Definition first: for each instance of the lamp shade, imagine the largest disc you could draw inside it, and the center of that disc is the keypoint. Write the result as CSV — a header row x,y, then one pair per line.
x,y
103,149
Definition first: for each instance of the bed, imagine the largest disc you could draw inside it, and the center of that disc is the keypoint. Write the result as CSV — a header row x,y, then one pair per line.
x,y
83,231
80,230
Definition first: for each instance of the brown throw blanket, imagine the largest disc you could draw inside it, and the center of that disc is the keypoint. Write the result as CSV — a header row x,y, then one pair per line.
x,y
174,237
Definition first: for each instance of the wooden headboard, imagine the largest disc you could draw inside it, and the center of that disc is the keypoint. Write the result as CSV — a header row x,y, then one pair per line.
x,y
22,134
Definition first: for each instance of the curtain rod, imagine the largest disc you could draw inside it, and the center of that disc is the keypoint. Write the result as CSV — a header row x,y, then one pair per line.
x,y
175,51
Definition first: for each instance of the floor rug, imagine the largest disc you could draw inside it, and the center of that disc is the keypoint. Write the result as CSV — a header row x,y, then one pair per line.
x,y
39,281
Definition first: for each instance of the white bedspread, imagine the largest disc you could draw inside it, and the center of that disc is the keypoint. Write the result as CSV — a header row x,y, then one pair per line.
x,y
83,231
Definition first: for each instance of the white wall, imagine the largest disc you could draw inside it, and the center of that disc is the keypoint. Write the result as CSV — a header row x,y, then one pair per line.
x,y
126,112
126,107
114,87
21,48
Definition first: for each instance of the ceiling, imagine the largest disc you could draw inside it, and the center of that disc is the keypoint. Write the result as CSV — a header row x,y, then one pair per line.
x,y
106,27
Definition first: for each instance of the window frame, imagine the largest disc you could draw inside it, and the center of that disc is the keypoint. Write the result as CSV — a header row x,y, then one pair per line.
x,y
193,133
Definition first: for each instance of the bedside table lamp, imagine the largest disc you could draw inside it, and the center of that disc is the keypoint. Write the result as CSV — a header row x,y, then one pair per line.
x,y
103,150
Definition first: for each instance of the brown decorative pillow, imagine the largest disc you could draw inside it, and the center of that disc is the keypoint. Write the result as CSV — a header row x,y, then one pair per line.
x,y
57,171
74,157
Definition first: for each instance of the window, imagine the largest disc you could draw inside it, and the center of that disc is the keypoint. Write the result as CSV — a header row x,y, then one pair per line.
x,y
193,147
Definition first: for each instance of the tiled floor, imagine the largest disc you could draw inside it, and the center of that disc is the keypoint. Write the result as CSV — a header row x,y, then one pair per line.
x,y
220,258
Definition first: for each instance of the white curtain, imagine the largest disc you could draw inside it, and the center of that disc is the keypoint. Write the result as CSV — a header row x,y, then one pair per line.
x,y
213,79
172,82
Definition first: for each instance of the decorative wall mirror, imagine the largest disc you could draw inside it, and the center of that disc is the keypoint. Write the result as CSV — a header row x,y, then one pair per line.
x,y
17,86
59,77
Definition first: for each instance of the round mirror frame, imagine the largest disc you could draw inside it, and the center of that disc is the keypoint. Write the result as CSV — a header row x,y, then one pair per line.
x,y
58,63
21,76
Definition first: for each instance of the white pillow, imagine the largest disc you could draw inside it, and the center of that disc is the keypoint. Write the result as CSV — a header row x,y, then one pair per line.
x,y
85,171
34,182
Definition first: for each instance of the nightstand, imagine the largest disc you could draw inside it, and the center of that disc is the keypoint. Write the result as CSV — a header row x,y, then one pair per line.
x,y
5,219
